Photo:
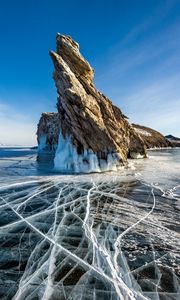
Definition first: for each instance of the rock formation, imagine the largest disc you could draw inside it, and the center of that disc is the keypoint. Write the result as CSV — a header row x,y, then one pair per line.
x,y
151,137
88,133
175,141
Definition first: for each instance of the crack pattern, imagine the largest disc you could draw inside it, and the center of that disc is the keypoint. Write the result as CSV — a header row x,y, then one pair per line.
x,y
88,237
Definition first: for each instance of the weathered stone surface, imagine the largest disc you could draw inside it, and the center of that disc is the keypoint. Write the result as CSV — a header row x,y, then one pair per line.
x,y
86,118
151,137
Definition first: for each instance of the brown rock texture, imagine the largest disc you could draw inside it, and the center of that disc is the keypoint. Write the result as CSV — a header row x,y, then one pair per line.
x,y
151,137
86,118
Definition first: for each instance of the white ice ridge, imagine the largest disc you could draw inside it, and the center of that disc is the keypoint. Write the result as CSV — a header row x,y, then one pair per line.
x,y
68,160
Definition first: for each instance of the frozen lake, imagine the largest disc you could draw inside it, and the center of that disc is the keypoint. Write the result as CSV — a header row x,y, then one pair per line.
x,y
99,236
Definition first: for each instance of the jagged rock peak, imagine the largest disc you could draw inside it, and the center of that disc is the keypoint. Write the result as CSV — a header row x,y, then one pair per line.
x,y
68,49
91,133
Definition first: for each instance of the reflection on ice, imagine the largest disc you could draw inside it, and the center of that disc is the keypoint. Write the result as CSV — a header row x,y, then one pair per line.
x,y
100,236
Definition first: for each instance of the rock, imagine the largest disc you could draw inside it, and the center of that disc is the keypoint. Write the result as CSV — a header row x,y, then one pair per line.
x,y
175,141
151,137
88,133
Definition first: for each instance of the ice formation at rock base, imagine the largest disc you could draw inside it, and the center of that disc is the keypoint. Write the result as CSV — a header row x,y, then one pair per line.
x,y
67,160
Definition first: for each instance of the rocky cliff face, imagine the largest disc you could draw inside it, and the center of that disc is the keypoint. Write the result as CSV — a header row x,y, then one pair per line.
x,y
88,133
151,137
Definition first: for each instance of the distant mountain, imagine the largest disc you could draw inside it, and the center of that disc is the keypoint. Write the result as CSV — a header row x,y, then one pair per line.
x,y
2,145
8,145
173,138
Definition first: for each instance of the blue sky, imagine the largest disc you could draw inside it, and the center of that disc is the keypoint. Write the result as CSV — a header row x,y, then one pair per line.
x,y
134,47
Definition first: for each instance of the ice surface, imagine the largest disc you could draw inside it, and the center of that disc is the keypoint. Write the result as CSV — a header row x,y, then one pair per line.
x,y
100,236
67,159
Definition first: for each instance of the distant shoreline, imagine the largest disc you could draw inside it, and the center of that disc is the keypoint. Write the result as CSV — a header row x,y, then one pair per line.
x,y
162,148
18,147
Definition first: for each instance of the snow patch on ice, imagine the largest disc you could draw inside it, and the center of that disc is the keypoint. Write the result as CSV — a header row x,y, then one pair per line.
x,y
68,160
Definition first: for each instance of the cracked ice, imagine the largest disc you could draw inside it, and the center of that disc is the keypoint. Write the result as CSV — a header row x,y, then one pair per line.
x,y
104,236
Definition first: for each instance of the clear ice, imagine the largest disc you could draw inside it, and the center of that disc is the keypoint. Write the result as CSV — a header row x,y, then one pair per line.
x,y
100,236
